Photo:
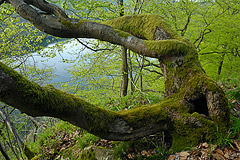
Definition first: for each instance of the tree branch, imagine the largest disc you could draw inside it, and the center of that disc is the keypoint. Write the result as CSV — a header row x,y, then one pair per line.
x,y
111,31
48,8
183,31
95,50
151,64
186,85
200,38
214,52
154,71
35,100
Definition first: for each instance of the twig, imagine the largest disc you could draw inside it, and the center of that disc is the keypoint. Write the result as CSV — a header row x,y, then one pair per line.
x,y
95,50
154,71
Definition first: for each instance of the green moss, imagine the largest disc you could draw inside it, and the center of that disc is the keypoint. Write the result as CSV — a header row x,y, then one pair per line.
x,y
189,129
173,103
141,25
71,25
122,33
23,86
188,135
194,83
87,155
99,120
184,82
144,27
50,101
168,47
145,115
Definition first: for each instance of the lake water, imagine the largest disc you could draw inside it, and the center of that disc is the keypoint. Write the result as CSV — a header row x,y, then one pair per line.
x,y
60,67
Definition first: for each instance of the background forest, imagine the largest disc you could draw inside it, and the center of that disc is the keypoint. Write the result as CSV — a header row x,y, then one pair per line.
x,y
111,76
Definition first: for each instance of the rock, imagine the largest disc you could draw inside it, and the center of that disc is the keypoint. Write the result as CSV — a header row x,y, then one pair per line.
x,y
102,153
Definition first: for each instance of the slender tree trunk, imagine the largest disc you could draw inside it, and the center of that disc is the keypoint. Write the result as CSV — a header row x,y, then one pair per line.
x,y
124,68
191,112
130,73
141,82
220,65
137,10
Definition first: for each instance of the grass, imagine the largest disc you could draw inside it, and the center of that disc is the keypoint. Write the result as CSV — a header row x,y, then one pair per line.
x,y
232,91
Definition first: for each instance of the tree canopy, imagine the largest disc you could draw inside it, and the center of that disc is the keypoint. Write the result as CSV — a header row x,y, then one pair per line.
x,y
194,104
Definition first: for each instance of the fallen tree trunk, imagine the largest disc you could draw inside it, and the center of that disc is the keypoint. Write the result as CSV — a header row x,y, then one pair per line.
x,y
192,110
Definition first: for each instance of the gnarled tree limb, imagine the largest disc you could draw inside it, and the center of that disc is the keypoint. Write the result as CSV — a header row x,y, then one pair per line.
x,y
194,103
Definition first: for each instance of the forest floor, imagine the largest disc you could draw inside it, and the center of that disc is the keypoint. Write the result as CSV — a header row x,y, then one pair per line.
x,y
153,147
206,151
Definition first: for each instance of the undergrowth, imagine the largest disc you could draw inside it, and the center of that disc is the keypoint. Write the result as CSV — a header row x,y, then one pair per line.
x,y
232,91
130,101
51,143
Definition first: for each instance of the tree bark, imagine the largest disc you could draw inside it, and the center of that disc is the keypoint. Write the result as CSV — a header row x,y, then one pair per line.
x,y
124,69
130,73
194,103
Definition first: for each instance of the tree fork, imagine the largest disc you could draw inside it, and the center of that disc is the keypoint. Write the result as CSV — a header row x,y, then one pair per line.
x,y
170,115
194,105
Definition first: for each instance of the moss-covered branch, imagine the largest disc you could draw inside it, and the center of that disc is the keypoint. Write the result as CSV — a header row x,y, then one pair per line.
x,y
136,33
171,115
194,103
35,100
